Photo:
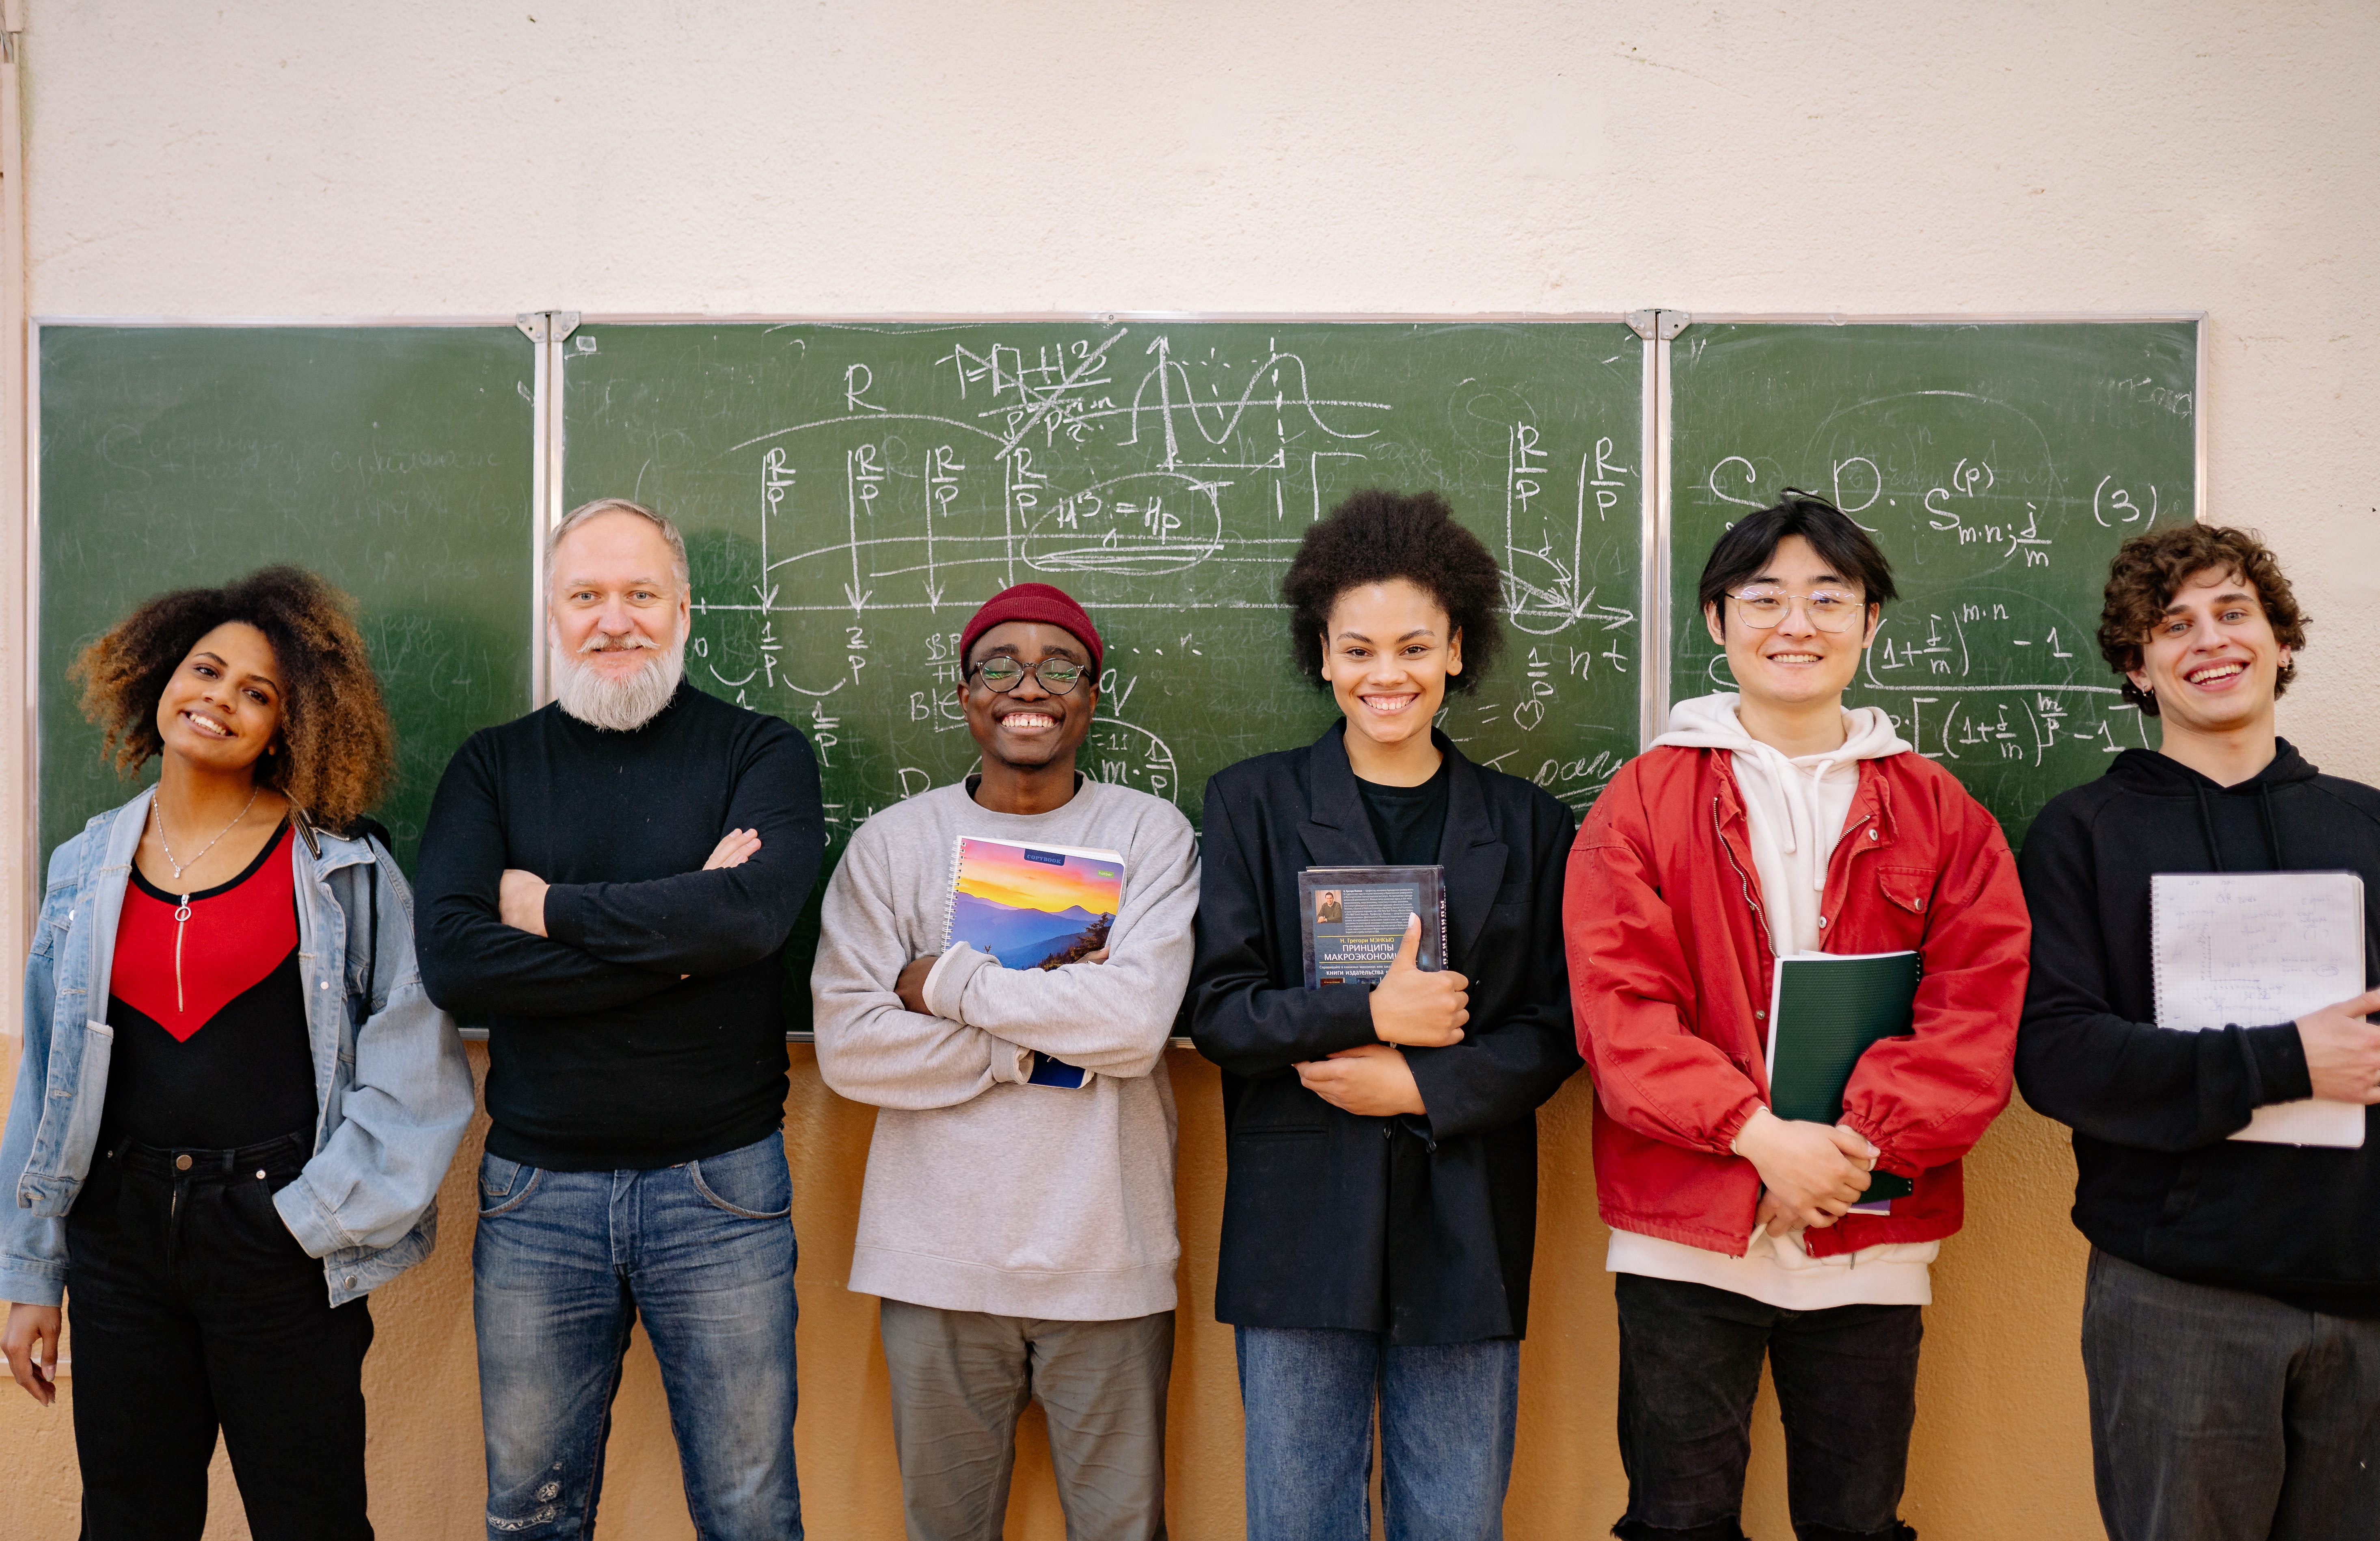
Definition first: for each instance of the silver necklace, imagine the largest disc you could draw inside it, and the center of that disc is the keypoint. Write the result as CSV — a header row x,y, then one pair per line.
x,y
158,813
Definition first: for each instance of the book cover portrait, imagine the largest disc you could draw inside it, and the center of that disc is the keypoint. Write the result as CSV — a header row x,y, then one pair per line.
x,y
1033,906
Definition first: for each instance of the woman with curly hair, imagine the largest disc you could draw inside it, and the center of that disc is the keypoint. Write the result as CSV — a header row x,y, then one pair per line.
x,y
1379,1217
220,1163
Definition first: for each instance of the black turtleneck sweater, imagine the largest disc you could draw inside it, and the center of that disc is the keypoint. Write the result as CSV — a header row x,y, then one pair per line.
x,y
2158,1182
599,1055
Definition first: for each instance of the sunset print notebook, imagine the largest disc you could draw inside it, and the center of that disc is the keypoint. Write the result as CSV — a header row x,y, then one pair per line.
x,y
1032,907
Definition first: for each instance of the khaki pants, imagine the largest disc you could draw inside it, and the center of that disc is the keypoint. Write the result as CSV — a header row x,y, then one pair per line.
x,y
960,1381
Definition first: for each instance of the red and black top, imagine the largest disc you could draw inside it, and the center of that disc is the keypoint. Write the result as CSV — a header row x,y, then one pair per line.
x,y
210,1013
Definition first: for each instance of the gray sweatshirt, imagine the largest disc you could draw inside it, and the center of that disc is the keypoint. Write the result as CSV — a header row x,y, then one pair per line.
x,y
984,1192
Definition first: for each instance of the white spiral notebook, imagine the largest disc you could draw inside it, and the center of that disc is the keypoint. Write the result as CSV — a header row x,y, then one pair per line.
x,y
2254,949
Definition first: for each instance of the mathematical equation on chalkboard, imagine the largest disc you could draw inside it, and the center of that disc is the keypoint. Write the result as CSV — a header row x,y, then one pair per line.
x,y
1164,477
1999,516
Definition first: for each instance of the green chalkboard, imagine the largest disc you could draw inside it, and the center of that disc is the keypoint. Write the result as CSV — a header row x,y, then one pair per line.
x,y
394,460
2000,466
851,493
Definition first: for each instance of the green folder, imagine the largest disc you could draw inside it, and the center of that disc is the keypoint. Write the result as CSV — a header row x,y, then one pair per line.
x,y
1824,1010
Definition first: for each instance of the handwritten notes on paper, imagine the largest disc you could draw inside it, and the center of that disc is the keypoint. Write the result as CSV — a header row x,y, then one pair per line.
x,y
2258,948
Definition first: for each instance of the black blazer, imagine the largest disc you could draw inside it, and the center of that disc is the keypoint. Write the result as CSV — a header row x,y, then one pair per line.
x,y
1420,1228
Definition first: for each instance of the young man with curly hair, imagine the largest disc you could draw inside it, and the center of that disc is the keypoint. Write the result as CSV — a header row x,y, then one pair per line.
x,y
1765,822
236,1101
1380,1217
2231,1313
609,881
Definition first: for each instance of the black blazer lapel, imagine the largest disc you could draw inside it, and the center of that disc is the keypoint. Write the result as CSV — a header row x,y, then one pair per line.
x,y
1472,853
1336,830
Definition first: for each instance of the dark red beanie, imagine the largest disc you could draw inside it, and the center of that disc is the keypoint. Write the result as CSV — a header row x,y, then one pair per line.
x,y
1034,601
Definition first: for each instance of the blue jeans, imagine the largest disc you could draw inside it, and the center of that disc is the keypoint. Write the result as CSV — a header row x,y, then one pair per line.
x,y
1446,1416
565,1265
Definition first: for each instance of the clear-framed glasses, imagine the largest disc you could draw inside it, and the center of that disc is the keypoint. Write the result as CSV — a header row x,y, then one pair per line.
x,y
1057,676
1764,605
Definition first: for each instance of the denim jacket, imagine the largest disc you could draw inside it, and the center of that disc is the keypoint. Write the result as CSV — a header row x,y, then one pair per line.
x,y
389,1080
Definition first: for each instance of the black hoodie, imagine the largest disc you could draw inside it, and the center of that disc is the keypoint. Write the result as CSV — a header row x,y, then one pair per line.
x,y
2157,1183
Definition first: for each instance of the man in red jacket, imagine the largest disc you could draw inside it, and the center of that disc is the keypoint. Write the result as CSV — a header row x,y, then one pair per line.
x,y
1764,824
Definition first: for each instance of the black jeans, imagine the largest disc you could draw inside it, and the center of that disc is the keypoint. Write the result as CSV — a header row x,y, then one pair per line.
x,y
2217,1414
191,1308
1689,1369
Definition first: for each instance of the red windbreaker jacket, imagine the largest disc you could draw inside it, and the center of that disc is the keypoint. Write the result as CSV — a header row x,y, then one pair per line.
x,y
1670,968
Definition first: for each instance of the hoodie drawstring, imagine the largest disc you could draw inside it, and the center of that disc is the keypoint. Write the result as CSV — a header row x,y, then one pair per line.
x,y
2271,831
2263,809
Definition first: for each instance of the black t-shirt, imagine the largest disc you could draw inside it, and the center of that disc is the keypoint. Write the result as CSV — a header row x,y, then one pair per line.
x,y
210,1013
1409,821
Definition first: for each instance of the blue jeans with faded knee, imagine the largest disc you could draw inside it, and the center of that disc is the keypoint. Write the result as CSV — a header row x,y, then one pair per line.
x,y
1446,1417
565,1263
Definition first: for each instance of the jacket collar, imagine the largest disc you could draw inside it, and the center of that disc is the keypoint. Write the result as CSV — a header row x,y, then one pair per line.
x,y
1337,831
318,847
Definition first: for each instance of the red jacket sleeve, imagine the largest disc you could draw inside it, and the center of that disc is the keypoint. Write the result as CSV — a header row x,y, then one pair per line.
x,y
1632,994
1924,1100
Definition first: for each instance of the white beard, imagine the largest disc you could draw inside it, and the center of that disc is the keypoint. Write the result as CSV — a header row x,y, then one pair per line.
x,y
621,705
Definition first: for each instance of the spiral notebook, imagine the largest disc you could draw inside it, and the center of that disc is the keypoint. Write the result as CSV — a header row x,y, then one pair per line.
x,y
2254,949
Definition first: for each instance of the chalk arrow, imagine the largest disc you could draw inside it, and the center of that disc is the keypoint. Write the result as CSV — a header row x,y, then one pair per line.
x,y
858,595
1612,619
933,593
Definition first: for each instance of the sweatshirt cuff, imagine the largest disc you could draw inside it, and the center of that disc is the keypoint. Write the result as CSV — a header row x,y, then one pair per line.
x,y
946,982
2276,1064
566,915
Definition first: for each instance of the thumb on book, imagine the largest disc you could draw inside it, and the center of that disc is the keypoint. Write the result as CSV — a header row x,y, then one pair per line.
x,y
1409,948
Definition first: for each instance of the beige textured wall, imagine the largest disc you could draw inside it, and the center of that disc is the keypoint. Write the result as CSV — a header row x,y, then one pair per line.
x,y
457,157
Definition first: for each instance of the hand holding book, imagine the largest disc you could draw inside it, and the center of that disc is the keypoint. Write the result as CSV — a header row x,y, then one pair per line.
x,y
1418,1008
1811,1173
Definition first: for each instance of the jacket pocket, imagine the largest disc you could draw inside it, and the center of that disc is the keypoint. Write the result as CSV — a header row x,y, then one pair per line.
x,y
504,1185
1908,889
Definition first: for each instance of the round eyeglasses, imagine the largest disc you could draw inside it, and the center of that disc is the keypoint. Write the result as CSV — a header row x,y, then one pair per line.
x,y
1763,607
1057,676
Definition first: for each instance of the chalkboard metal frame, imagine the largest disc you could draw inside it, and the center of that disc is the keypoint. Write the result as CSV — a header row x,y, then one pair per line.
x,y
1660,521
35,869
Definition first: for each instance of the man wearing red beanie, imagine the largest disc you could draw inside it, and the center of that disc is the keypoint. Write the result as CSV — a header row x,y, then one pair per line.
x,y
1017,1219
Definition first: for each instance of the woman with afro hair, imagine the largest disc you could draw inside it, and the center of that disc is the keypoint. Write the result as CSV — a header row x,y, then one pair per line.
x,y
242,1132
1380,1217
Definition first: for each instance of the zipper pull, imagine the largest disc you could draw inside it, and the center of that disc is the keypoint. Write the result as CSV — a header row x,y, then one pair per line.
x,y
181,922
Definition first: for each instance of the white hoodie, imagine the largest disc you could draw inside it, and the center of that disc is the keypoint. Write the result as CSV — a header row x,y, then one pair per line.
x,y
1793,807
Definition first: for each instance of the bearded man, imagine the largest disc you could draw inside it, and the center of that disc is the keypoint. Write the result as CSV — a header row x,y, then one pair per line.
x,y
608,883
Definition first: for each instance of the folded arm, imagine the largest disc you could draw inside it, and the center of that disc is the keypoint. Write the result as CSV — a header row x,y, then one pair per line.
x,y
470,960
719,918
1110,1017
870,1048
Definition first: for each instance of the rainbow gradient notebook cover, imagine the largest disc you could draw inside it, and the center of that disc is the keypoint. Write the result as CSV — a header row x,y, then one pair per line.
x,y
1032,907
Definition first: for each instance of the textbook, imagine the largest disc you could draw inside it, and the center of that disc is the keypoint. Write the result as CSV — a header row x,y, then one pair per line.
x,y
1824,1010
1352,920
1033,906
2258,948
